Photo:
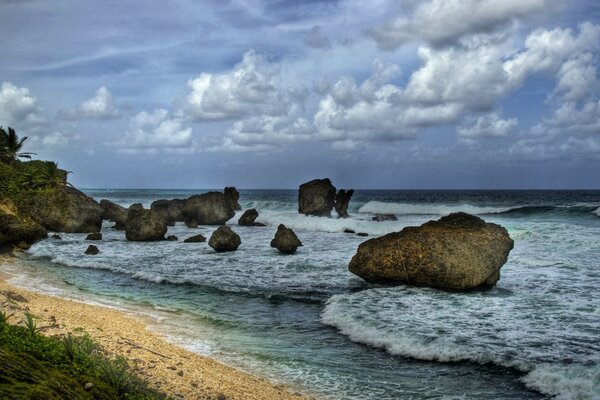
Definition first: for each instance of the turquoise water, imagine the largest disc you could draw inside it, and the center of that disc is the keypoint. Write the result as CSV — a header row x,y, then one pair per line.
x,y
305,321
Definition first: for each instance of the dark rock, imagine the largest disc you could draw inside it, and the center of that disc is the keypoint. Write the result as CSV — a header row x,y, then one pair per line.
x,y
94,236
285,240
459,251
144,225
66,210
316,197
172,238
56,237
362,234
171,211
224,239
195,239
342,199
233,196
247,219
211,208
384,217
92,250
16,229
348,231
114,213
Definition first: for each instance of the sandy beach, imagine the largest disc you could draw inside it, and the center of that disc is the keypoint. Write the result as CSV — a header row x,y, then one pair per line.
x,y
166,367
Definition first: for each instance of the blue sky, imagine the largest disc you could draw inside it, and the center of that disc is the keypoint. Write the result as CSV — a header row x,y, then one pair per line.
x,y
269,94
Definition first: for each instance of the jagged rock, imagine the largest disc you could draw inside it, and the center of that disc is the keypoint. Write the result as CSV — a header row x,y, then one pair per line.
x,y
348,231
285,240
224,239
92,250
144,225
171,211
363,234
94,236
233,196
172,238
459,251
195,239
16,229
66,209
316,197
342,199
211,208
384,217
248,217
114,213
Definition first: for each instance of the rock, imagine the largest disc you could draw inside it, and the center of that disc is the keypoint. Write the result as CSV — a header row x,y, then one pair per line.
x,y
56,237
211,208
224,239
16,229
342,199
348,231
285,240
316,197
170,210
248,217
66,209
459,251
363,234
144,225
114,213
94,236
233,196
384,217
92,250
88,386
172,238
195,239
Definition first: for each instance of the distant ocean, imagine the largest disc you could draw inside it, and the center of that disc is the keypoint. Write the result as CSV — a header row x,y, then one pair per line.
x,y
305,321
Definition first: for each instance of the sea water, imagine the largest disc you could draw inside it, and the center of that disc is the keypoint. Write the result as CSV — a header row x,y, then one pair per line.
x,y
304,320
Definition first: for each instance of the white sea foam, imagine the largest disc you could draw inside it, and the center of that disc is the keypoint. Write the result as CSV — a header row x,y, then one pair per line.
x,y
597,212
565,382
379,207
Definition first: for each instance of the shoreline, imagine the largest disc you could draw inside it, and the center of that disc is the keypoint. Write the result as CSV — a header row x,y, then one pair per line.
x,y
171,369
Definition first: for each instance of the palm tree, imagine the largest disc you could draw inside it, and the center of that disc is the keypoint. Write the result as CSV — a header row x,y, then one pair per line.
x,y
11,145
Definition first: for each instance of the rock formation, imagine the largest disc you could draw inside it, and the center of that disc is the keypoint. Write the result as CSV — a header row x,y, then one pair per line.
x,y
211,208
233,196
285,240
342,199
459,252
114,213
171,211
94,236
16,230
144,225
195,239
248,217
224,239
316,197
92,250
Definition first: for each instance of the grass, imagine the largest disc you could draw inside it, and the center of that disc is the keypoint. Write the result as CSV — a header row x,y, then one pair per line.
x,y
33,366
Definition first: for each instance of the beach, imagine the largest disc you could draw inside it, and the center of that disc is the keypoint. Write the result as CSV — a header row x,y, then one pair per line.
x,y
168,368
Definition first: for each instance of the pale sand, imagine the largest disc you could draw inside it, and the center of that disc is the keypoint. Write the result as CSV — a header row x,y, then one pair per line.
x,y
166,367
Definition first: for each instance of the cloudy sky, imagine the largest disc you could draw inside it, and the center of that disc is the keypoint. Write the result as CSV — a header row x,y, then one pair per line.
x,y
268,94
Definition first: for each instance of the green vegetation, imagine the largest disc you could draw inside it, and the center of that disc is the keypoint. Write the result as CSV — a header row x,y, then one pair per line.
x,y
11,145
33,366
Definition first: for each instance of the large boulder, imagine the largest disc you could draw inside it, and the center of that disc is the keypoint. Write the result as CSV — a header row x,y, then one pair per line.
x,y
459,252
16,229
114,213
212,208
144,225
248,217
342,199
66,209
316,197
171,211
233,196
224,239
285,240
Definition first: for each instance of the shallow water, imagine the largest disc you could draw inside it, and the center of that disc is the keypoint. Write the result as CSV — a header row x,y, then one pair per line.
x,y
304,320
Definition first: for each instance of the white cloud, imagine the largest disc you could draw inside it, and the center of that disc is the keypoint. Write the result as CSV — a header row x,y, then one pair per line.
x,y
98,107
156,130
577,78
486,126
316,38
443,22
569,118
17,105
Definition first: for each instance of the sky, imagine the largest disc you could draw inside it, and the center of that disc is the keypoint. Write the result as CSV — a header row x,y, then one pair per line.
x,y
434,94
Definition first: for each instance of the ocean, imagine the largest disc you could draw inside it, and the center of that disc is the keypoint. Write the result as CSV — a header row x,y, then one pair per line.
x,y
305,321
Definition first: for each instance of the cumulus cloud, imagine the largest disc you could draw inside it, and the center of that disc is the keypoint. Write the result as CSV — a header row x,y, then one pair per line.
x,y
98,107
316,38
17,105
156,130
573,119
446,22
486,126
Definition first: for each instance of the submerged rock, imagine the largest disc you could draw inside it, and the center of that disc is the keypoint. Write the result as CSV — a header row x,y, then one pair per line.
x,y
114,213
212,208
316,197
233,196
144,225
172,238
349,231
363,234
342,200
384,217
248,217
92,250
285,240
195,239
459,251
224,239
56,237
94,236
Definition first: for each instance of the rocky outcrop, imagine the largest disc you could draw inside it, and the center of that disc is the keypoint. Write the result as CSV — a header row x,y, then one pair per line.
x,y
66,210
458,252
224,239
316,197
285,240
114,213
92,250
171,211
94,236
16,230
342,199
384,217
195,239
233,196
172,238
211,208
248,217
144,225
